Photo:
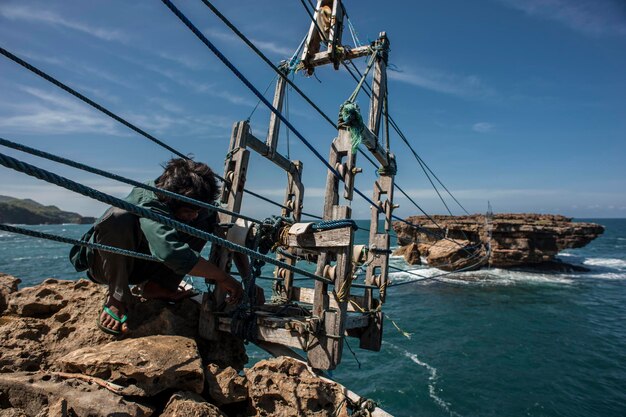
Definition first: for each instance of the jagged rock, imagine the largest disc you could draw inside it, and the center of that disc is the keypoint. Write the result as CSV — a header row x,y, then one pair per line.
x,y
286,387
516,239
40,301
12,412
8,285
65,314
411,253
225,352
188,404
226,386
37,393
144,366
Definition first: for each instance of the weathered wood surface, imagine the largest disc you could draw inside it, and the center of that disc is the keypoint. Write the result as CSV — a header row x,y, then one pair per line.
x,y
235,169
274,127
307,295
322,239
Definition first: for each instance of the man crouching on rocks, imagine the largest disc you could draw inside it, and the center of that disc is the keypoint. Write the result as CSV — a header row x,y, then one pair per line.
x,y
178,251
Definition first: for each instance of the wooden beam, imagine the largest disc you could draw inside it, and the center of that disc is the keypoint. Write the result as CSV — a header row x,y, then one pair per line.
x,y
261,148
323,239
235,170
307,295
357,321
323,58
335,33
274,127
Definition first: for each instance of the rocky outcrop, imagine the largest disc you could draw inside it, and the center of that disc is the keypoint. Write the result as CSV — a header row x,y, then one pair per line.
x,y
18,211
55,361
144,366
8,285
410,252
189,404
516,240
302,393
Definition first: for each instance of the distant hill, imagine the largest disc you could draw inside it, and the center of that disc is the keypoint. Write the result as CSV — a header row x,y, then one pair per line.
x,y
16,211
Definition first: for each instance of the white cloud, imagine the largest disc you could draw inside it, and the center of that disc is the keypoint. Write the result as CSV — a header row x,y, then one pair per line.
x,y
592,17
483,127
184,60
195,86
29,14
469,86
55,114
265,46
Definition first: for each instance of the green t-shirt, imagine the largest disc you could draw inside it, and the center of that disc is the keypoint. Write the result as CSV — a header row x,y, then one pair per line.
x,y
177,250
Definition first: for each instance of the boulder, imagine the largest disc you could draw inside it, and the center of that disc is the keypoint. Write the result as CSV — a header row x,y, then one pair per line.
x,y
286,387
48,321
145,366
410,252
516,240
8,285
226,386
44,394
455,255
188,404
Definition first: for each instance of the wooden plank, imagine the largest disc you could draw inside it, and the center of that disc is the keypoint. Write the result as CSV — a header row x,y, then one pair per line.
x,y
307,295
357,321
313,39
322,239
262,149
274,127
232,195
323,58
335,33
327,353
379,91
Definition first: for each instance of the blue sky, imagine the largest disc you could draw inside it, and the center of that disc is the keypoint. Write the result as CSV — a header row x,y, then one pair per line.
x,y
522,103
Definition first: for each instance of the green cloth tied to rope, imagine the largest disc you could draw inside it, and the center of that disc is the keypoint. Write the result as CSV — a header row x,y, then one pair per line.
x,y
350,117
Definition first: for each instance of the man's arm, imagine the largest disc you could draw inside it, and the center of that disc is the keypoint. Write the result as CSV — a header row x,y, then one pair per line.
x,y
229,284
242,262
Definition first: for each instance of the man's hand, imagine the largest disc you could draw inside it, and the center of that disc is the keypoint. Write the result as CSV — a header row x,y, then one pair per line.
x,y
226,282
233,288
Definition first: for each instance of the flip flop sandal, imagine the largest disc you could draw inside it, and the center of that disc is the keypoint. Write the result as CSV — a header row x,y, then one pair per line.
x,y
114,317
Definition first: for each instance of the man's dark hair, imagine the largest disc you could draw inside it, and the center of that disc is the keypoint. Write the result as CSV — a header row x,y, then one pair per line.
x,y
189,178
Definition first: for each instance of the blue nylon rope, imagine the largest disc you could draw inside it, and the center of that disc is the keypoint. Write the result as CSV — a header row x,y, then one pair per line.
x,y
56,238
256,92
51,157
50,177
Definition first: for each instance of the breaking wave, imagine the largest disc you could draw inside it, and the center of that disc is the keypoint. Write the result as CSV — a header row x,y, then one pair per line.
x,y
606,262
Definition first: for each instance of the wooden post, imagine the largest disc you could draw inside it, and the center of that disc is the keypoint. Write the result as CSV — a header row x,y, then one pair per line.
x,y
334,52
326,353
235,169
274,127
377,272
334,35
293,203
379,85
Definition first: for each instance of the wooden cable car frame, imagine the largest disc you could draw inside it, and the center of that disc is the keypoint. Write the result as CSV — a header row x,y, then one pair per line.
x,y
320,335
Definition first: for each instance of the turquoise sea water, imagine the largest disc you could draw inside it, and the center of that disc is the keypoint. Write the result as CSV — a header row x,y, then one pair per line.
x,y
487,343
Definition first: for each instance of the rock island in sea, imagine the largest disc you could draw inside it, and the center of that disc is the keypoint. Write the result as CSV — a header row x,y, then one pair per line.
x,y
500,241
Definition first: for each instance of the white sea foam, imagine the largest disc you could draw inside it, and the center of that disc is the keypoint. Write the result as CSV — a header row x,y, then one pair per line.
x,y
432,379
606,262
489,277
24,258
609,275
